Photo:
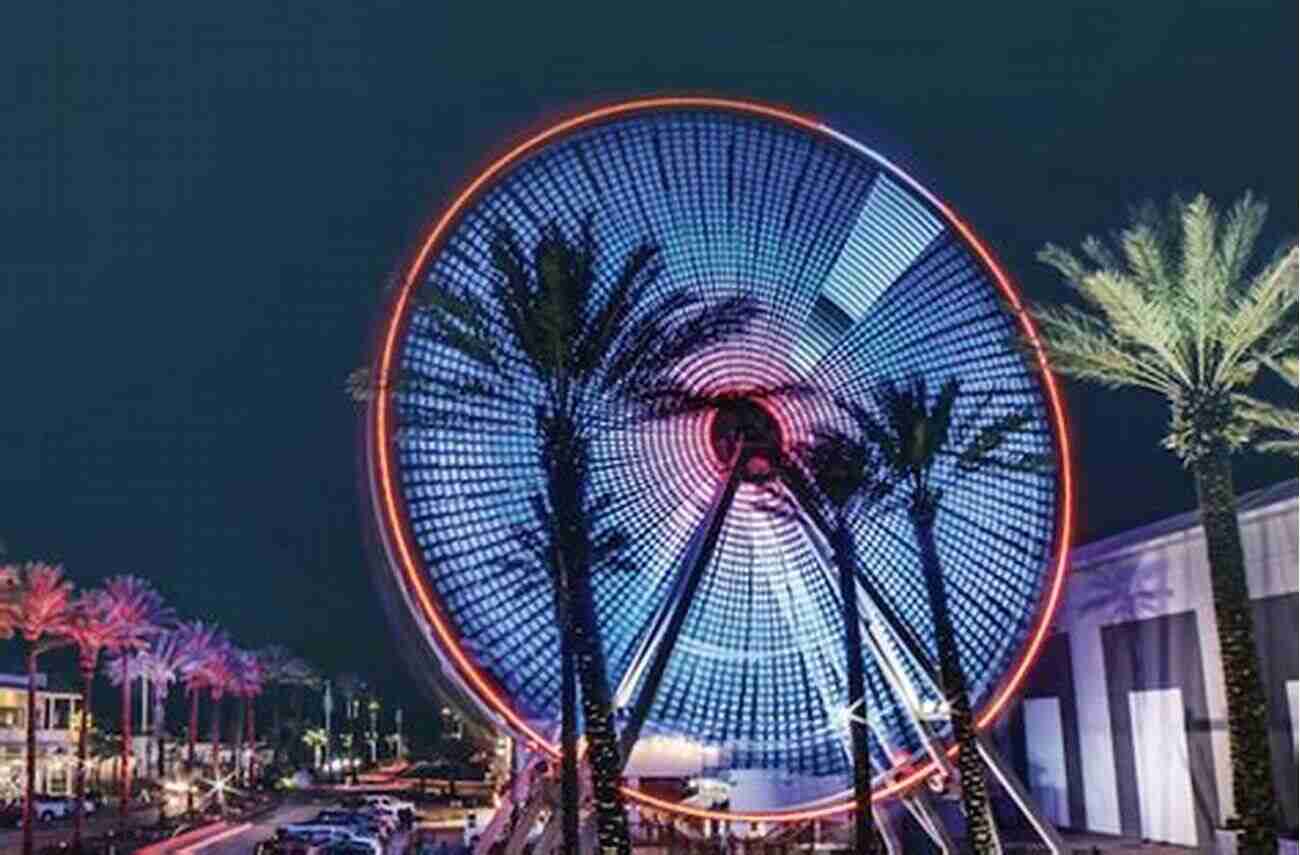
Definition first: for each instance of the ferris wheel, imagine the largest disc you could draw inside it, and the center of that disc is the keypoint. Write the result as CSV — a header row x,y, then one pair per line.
x,y
862,275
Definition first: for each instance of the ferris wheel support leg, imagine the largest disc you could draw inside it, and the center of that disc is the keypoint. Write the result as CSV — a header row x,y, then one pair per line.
x,y
885,825
918,805
662,637
896,676
1011,782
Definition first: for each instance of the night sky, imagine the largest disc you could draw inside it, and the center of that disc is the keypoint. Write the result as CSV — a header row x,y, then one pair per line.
x,y
201,203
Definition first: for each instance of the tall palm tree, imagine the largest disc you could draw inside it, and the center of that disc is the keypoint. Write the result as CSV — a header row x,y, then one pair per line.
x,y
1177,304
277,665
913,430
844,479
586,339
142,614
1275,429
198,639
350,687
163,663
299,674
43,614
246,686
219,677
95,626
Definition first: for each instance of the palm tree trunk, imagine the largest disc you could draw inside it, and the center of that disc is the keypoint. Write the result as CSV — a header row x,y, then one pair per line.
x,y
238,740
125,772
28,832
277,700
189,759
78,809
250,711
159,728
981,833
863,837
565,493
215,733
568,738
1252,768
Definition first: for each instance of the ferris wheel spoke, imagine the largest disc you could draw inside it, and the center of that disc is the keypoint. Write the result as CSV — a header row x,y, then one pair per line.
x,y
656,647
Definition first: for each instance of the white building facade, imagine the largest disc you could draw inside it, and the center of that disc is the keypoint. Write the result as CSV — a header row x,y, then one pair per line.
x,y
1122,724
57,715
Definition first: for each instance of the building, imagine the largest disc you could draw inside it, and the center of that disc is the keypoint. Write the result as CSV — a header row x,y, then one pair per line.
x,y
57,714
1122,724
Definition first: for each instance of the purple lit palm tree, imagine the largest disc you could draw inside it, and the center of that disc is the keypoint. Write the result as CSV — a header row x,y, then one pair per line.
x,y
163,663
42,614
143,615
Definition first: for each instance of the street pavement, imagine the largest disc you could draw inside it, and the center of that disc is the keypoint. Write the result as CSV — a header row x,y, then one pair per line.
x,y
244,841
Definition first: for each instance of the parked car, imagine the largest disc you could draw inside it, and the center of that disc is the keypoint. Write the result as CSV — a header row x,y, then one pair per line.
x,y
49,808
344,834
405,810
11,814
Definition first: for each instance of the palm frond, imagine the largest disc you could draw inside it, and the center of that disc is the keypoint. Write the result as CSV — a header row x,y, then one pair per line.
x,y
1261,316
1274,429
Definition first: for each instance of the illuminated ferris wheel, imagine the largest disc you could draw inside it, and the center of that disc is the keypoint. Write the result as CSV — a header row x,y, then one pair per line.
x,y
862,274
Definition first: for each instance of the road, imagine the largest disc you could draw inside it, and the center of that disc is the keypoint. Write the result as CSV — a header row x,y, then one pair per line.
x,y
242,842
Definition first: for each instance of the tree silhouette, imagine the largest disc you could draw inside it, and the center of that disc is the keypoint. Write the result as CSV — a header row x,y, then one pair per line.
x,y
1176,304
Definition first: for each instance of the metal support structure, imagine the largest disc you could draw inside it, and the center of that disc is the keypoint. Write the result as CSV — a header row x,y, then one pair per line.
x,y
658,643
818,530
918,805
1012,784
889,834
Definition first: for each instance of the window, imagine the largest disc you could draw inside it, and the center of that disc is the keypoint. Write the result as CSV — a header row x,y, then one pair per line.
x,y
12,717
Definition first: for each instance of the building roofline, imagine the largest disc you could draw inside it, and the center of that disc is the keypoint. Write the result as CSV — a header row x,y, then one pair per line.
x,y
1265,501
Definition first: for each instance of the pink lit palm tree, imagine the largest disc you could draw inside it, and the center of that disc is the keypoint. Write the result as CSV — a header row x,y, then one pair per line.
x,y
94,628
246,686
198,640
42,613
142,615
219,677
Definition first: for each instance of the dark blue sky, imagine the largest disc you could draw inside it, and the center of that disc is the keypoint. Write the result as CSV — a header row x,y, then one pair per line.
x,y
200,209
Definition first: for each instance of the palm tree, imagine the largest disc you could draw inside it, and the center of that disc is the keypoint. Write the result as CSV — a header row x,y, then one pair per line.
x,y
316,739
142,614
219,677
1275,429
163,664
43,614
585,342
95,627
350,687
198,639
843,480
913,431
246,685
299,674
277,664
1177,304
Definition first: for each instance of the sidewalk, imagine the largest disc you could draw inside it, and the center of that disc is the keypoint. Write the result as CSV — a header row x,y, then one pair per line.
x,y
54,833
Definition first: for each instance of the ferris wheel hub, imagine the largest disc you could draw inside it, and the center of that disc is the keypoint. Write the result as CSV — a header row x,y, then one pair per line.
x,y
749,424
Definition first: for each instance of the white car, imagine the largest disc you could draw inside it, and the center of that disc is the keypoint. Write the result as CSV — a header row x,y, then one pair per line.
x,y
397,806
340,833
49,808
